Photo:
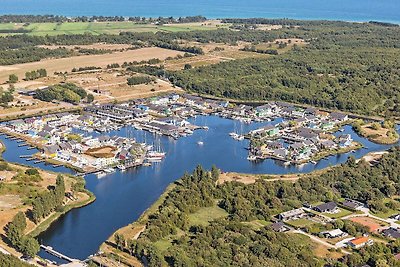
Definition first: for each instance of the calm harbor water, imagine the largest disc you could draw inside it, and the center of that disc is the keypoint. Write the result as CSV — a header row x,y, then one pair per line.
x,y
349,10
123,196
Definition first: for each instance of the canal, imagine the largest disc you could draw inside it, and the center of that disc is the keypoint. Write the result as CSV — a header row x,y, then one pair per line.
x,y
121,197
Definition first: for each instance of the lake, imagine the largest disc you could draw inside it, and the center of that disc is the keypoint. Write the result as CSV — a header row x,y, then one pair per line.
x,y
123,196
348,10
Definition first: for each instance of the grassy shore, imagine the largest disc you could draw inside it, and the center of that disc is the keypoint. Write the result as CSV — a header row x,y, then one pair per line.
x,y
86,196
327,153
376,133
45,224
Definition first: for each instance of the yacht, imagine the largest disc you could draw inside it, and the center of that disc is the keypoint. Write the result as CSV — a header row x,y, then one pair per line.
x,y
101,174
155,155
238,137
109,170
200,143
251,158
121,167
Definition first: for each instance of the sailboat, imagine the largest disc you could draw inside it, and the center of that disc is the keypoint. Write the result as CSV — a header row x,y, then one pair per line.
x,y
237,136
157,154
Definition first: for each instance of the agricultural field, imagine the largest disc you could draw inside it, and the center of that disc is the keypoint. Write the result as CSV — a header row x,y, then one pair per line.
x,y
96,28
67,64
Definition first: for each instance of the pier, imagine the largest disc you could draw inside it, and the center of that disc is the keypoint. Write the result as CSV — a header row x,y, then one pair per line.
x,y
57,254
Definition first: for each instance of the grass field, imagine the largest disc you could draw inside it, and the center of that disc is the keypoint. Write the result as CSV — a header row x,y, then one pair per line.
x,y
340,214
205,215
105,27
300,222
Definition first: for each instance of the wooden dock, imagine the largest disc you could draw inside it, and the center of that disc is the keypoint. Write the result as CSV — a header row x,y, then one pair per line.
x,y
59,255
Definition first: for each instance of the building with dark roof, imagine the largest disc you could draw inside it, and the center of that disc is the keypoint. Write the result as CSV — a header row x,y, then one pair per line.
x,y
326,207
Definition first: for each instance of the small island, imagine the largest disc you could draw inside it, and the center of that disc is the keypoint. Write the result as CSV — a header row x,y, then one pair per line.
x,y
378,132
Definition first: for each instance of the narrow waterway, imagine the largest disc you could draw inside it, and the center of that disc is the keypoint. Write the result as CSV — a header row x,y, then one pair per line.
x,y
122,196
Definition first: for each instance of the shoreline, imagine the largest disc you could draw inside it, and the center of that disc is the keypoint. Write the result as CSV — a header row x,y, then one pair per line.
x,y
211,17
140,222
54,216
47,222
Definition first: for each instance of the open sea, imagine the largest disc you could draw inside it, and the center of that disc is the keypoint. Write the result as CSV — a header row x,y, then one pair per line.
x,y
348,10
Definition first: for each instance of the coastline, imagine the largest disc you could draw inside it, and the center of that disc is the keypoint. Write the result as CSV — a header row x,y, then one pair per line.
x,y
54,216
107,248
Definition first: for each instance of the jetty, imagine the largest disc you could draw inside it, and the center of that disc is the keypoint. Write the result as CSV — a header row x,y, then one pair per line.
x,y
59,255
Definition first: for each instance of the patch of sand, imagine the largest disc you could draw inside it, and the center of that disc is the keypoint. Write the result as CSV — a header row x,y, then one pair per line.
x,y
241,178
9,202
6,68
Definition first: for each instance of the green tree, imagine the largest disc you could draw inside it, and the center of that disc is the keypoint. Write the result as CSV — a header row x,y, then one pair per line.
x,y
32,171
12,78
119,240
15,229
90,98
30,247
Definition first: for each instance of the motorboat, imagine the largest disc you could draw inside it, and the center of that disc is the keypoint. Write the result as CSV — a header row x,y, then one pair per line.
x,y
121,167
251,158
109,170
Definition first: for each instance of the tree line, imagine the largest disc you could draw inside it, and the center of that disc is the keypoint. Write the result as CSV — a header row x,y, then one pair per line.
x,y
140,80
61,19
15,234
67,92
35,74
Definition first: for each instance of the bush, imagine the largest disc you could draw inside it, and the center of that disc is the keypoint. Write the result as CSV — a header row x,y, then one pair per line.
x,y
31,172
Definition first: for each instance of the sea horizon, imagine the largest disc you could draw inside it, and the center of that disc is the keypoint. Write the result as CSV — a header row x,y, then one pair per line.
x,y
335,10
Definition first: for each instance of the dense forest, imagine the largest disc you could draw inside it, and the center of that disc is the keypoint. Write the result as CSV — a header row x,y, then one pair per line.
x,y
12,261
349,68
229,241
